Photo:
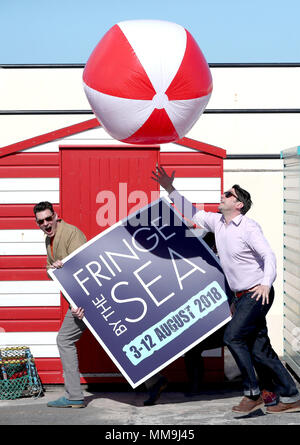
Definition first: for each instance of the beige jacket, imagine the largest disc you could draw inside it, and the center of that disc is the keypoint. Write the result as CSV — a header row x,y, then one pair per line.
x,y
67,239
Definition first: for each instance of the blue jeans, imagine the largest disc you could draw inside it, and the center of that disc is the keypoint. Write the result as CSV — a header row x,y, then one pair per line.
x,y
246,336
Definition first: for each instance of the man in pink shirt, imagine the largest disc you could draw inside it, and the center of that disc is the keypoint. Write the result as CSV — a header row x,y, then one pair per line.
x,y
249,265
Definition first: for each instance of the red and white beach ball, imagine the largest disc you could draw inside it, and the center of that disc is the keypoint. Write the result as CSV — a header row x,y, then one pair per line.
x,y
147,81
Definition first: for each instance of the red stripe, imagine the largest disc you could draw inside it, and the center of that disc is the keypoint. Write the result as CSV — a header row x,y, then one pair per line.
x,y
51,377
29,172
31,159
23,275
189,159
23,262
210,207
193,78
113,68
30,326
50,364
18,223
30,313
158,128
20,210
49,370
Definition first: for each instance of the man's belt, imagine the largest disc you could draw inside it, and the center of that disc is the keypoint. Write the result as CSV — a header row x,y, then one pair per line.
x,y
243,292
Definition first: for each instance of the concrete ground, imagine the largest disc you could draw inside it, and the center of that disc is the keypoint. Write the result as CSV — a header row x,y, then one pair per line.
x,y
125,407
114,406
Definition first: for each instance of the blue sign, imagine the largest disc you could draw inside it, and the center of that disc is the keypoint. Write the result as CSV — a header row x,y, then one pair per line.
x,y
150,288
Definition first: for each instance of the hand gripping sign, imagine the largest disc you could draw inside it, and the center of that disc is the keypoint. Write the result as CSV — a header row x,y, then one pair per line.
x,y
150,289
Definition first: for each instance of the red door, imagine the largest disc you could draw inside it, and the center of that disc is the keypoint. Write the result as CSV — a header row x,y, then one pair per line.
x,y
98,187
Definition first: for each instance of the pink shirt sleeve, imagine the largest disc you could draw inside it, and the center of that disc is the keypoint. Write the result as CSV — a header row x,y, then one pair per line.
x,y
258,243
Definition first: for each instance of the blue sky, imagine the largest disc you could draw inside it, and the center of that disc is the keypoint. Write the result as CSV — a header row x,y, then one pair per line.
x,y
228,31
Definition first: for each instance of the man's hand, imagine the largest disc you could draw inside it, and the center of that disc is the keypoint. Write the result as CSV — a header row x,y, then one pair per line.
x,y
261,291
77,313
56,265
163,179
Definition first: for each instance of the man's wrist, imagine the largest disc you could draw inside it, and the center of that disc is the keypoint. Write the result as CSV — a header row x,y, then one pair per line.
x,y
170,189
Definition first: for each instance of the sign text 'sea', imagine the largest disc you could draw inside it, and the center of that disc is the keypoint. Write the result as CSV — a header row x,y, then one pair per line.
x,y
110,264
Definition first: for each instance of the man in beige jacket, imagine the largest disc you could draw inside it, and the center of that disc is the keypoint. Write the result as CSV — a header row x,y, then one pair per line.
x,y
61,240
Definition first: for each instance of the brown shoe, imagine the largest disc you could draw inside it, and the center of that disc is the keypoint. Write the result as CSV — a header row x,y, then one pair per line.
x,y
247,406
284,408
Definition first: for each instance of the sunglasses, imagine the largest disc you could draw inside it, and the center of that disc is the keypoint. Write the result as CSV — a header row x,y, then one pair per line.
x,y
228,194
48,219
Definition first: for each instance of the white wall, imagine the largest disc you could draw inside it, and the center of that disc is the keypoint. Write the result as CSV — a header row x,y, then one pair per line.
x,y
264,180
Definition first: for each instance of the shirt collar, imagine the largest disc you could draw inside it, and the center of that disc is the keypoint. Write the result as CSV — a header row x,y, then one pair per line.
x,y
236,221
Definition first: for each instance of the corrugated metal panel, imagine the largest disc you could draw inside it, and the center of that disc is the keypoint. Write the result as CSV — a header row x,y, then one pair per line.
x,y
291,255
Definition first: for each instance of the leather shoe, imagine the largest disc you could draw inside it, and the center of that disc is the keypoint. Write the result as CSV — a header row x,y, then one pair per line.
x,y
284,408
155,391
247,406
62,402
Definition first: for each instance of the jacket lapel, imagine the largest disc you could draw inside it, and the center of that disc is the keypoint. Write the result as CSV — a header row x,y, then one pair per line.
x,y
57,238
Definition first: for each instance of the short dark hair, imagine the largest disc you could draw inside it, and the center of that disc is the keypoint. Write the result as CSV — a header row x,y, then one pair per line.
x,y
43,205
244,197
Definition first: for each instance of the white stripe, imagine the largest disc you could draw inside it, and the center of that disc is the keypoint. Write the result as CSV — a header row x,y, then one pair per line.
x,y
104,142
20,197
22,242
86,143
22,249
26,287
49,147
97,133
22,236
29,184
25,338
29,293
185,113
29,300
94,136
209,197
120,117
28,190
197,184
159,41
41,344
171,147
44,351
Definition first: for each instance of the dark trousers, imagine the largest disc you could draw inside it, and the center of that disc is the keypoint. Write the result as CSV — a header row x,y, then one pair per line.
x,y
194,363
246,336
